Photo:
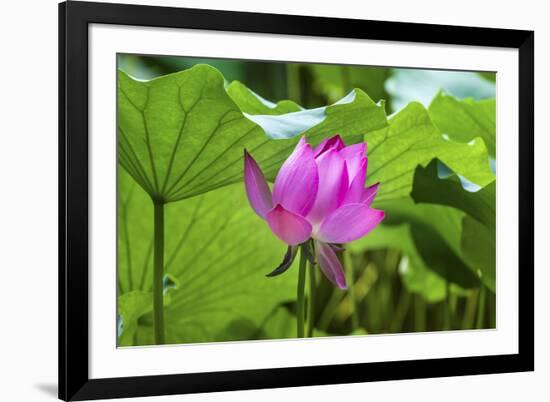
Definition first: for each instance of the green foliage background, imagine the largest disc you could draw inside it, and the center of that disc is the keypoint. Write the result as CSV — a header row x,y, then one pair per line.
x,y
182,127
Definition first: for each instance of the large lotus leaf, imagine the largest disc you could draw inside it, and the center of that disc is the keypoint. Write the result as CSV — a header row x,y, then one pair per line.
x,y
135,236
217,251
351,116
410,140
463,120
430,187
408,84
418,278
131,306
182,134
478,234
147,67
252,103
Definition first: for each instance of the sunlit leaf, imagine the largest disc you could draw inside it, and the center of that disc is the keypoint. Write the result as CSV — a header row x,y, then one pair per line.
x,y
464,120
252,103
176,129
411,140
182,134
131,306
315,123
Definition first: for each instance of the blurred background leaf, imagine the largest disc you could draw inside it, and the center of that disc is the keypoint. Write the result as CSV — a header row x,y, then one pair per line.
x,y
416,275
408,85
334,82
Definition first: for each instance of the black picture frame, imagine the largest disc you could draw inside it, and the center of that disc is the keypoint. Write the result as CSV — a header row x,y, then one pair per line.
x,y
74,381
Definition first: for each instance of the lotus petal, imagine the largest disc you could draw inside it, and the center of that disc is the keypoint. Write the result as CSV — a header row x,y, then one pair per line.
x,y
327,144
291,228
257,190
368,194
333,185
349,222
297,182
357,185
330,265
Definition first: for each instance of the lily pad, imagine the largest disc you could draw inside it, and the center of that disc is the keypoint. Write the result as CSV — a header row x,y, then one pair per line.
x,y
218,266
463,120
183,134
410,140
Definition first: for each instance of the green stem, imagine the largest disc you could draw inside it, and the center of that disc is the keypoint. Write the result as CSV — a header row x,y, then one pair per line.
x,y
470,310
330,307
490,310
481,308
447,307
311,305
158,274
300,294
453,303
419,314
400,312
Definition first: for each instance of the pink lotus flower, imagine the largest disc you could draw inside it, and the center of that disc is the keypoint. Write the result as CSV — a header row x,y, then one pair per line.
x,y
318,194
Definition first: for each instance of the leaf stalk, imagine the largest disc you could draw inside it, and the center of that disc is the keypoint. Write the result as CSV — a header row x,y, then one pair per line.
x,y
158,273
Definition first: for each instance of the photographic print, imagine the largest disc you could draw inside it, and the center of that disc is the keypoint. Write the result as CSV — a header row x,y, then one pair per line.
x,y
272,200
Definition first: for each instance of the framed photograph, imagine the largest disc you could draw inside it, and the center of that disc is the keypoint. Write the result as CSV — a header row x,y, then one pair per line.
x,y
258,201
